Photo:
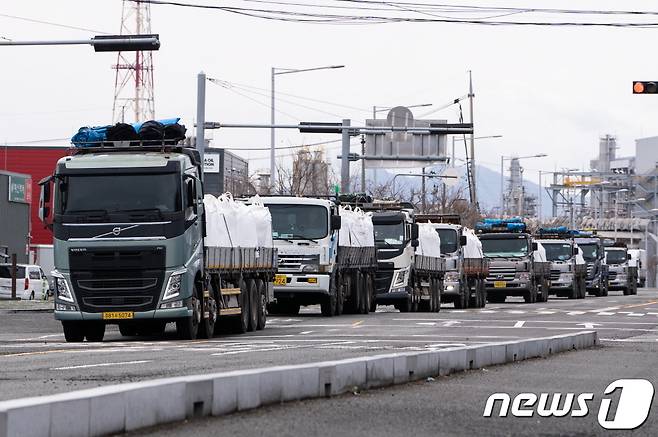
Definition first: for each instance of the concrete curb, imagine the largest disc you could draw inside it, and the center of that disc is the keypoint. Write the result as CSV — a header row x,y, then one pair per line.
x,y
126,407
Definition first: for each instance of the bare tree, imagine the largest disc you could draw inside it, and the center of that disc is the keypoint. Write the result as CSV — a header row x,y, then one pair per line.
x,y
310,175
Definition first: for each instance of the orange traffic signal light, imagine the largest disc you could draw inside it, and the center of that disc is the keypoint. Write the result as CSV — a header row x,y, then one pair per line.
x,y
645,87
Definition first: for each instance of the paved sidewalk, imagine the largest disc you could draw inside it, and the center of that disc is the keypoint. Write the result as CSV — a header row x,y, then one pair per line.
x,y
8,305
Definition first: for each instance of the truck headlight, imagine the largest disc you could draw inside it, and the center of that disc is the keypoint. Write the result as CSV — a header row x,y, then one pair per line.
x,y
400,278
524,276
174,285
451,276
62,290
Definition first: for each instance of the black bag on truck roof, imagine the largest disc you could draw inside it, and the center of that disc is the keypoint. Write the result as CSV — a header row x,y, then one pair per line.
x,y
122,132
152,132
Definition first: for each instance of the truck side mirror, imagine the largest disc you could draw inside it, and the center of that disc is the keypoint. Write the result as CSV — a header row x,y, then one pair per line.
x,y
534,246
336,222
462,240
575,251
414,231
44,201
190,193
414,243
628,256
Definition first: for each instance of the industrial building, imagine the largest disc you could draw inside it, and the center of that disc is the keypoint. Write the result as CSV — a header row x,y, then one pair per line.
x,y
15,197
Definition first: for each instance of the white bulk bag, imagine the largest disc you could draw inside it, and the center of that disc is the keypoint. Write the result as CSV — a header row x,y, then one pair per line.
x,y
347,222
539,255
245,234
263,221
213,229
473,248
429,242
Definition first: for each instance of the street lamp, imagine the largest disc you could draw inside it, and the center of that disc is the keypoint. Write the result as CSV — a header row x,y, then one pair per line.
x,y
502,174
276,72
103,43
455,138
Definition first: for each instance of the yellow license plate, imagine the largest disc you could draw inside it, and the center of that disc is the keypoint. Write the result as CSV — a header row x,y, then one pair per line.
x,y
280,280
118,315
500,284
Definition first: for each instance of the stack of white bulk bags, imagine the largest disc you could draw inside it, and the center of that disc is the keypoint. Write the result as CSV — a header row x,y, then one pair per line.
x,y
235,224
473,248
429,242
356,228
539,255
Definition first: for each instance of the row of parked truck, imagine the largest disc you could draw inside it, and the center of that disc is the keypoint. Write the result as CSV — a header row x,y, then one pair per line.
x,y
138,243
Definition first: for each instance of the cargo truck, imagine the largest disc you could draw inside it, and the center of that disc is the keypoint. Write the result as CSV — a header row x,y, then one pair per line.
x,y
129,226
406,279
517,263
622,273
466,267
596,280
568,267
639,258
318,265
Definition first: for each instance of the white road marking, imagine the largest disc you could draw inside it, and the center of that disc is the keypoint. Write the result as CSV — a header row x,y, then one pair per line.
x,y
519,324
450,323
605,314
86,366
305,332
575,313
516,312
636,315
487,311
545,312
426,323
589,325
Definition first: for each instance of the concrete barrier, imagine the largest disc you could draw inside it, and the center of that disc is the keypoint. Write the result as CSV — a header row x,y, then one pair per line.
x,y
126,407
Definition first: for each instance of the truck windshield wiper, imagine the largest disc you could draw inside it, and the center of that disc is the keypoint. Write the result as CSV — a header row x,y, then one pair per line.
x,y
88,211
301,237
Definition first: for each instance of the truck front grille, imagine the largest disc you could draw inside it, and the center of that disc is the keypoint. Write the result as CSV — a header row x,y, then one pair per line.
x,y
501,273
294,263
108,279
555,275
383,280
612,276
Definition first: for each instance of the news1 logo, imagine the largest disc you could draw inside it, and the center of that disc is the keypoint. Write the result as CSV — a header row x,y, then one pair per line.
x,y
633,405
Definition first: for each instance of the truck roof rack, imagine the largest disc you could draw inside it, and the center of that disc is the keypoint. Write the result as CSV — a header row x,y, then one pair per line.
x,y
495,225
122,147
453,219
556,233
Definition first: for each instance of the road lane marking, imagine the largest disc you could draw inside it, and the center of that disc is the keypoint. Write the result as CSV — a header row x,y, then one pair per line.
x,y
589,325
516,312
357,324
603,313
545,312
87,366
305,332
575,313
450,323
640,304
519,324
636,315
426,323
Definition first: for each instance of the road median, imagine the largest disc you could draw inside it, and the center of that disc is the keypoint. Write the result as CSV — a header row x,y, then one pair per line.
x,y
127,407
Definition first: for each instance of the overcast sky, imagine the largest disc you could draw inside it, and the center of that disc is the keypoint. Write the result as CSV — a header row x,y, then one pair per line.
x,y
552,90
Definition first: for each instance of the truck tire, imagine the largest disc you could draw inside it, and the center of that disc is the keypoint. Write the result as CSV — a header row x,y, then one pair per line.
x,y
328,304
575,292
262,304
253,305
73,331
208,321
461,301
496,298
438,290
128,329
188,327
366,294
583,288
94,331
340,294
404,306
531,297
482,292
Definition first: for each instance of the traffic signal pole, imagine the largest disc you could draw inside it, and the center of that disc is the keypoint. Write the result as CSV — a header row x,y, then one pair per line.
x,y
344,159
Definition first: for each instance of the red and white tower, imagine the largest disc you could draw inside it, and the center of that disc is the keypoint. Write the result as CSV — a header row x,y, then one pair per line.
x,y
134,98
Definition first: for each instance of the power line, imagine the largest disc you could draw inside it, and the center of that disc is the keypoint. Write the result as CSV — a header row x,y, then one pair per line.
x,y
325,18
50,23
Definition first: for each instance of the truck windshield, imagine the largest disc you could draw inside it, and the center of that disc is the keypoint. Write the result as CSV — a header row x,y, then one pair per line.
x,y
449,240
590,251
299,222
504,247
616,256
120,193
389,234
558,251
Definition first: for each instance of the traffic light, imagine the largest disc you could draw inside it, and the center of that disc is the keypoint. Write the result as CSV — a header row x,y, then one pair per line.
x,y
645,87
125,43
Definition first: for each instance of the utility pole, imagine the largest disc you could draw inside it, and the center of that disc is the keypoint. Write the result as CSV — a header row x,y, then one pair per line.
x,y
201,117
470,99
363,163
344,160
423,193
272,138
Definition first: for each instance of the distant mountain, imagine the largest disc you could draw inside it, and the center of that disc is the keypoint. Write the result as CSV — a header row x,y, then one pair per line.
x,y
488,185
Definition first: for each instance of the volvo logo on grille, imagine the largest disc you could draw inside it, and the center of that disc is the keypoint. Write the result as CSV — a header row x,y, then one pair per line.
x,y
116,231
500,277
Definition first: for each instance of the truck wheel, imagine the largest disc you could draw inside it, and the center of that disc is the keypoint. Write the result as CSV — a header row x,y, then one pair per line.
x,y
128,329
438,289
583,288
356,299
574,290
340,295
606,288
634,287
531,297
73,331
366,293
461,301
262,304
328,305
405,306
253,305
94,331
496,298
626,291
188,327
208,318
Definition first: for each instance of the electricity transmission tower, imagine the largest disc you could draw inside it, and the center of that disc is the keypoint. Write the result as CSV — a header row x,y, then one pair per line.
x,y
134,98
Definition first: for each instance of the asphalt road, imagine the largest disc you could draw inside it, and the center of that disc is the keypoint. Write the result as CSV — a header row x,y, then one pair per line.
x,y
36,361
